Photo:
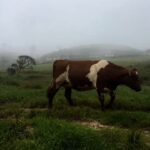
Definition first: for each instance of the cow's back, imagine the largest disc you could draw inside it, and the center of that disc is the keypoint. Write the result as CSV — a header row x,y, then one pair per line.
x,y
75,67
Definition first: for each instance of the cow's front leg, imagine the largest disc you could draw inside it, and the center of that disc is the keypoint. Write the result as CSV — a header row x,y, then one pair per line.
x,y
101,99
112,98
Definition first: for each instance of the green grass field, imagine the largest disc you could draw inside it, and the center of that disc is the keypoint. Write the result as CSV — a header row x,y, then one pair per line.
x,y
26,123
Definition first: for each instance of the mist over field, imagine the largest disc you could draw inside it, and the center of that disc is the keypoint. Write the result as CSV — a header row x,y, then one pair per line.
x,y
39,27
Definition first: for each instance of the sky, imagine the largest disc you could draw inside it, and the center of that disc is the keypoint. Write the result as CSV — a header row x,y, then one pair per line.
x,y
42,26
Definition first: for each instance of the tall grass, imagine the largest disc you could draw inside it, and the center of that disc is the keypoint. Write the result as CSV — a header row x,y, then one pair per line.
x,y
26,123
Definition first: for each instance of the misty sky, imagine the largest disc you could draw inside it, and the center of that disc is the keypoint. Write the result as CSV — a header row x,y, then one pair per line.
x,y
48,25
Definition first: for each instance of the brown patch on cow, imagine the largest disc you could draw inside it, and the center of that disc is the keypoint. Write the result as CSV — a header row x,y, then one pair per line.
x,y
110,77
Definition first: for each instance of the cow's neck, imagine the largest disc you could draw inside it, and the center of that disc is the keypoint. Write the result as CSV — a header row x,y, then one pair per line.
x,y
125,81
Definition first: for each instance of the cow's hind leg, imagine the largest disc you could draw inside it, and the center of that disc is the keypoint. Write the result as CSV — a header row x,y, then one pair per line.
x,y
68,92
112,98
51,91
101,99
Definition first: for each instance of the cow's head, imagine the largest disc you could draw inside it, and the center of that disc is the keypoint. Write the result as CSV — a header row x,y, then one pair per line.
x,y
133,80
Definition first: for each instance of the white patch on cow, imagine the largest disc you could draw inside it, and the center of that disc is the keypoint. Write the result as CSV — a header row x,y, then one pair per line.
x,y
67,74
63,77
94,69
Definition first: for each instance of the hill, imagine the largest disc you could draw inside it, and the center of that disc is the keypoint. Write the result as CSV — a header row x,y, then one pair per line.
x,y
94,51
147,52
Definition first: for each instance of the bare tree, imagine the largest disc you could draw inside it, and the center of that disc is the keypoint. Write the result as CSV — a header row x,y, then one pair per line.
x,y
25,62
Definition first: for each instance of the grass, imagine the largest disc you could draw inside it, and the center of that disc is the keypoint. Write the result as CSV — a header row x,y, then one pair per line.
x,y
41,133
26,123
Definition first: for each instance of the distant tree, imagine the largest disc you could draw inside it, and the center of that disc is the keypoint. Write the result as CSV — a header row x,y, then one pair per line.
x,y
25,62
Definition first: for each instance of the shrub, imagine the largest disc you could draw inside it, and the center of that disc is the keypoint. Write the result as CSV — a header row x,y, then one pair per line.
x,y
11,71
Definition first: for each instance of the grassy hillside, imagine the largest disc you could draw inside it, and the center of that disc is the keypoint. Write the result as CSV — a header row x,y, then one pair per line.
x,y
93,51
26,123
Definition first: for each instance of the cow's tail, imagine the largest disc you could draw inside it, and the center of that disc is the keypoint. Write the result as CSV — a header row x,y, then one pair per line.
x,y
52,80
54,68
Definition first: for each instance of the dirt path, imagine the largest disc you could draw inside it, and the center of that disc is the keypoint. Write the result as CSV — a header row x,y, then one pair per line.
x,y
94,124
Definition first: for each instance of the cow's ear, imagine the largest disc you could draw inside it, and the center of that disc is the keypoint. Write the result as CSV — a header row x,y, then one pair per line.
x,y
133,72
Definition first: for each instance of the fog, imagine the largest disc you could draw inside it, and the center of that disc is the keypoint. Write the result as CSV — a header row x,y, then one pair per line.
x,y
38,27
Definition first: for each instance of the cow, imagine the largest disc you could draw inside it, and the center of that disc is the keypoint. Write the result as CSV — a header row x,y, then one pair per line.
x,y
102,75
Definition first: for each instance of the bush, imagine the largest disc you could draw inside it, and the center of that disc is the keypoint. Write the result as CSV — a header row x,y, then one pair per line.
x,y
11,71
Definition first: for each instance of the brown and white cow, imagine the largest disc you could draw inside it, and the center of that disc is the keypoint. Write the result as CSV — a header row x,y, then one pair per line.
x,y
101,75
